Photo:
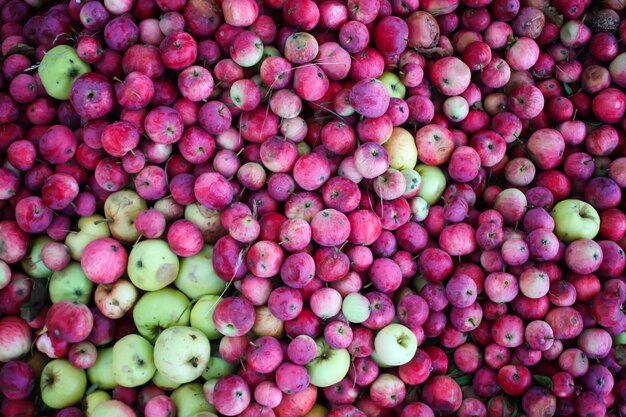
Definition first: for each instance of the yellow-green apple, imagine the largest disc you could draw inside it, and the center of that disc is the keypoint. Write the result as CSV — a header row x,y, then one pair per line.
x,y
164,382
122,208
395,344
433,183
70,284
58,70
401,149
133,363
218,368
152,265
181,353
189,400
112,408
61,384
207,220
89,229
575,219
115,300
202,316
394,85
101,373
197,277
329,366
93,399
5,274
356,307
32,263
158,310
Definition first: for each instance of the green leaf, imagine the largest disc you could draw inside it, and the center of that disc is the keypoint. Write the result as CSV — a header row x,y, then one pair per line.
x,y
92,388
568,89
544,381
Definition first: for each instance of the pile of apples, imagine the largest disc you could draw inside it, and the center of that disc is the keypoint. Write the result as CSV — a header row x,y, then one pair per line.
x,y
320,208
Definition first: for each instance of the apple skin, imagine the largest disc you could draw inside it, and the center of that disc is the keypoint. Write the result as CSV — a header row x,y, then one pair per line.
x,y
197,277
123,207
15,338
330,366
297,405
61,384
89,229
93,399
110,408
58,70
101,373
395,344
133,363
152,265
158,310
433,183
575,219
70,284
32,263
201,316
401,149
182,353
190,401
116,299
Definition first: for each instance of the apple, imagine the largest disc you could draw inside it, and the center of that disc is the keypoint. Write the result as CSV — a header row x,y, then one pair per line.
x,y
197,277
158,310
133,363
15,338
395,344
575,219
94,398
89,229
329,366
181,353
355,307
70,284
164,382
201,316
32,263
61,384
433,183
189,400
101,373
115,408
122,208
115,300
394,85
401,149
218,368
152,265
58,70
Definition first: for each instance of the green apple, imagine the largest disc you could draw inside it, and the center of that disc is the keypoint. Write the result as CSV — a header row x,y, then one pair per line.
x,y
161,309
123,207
303,147
619,339
5,274
182,353
395,344
189,400
32,263
58,70
112,408
152,265
356,307
413,181
433,183
575,219
318,410
207,220
133,362
394,85
205,414
202,316
164,382
170,208
401,149
93,399
419,209
70,284
329,366
197,277
101,373
218,368
89,229
61,384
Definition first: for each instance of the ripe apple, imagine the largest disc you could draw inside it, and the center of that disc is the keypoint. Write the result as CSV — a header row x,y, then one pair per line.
x,y
70,284
201,316
433,183
164,382
152,265
218,368
394,85
89,229
182,353
32,263
58,70
92,400
575,219
112,408
158,310
395,344
15,338
61,384
133,363
190,401
115,300
356,307
401,149
101,373
197,276
329,366
123,207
